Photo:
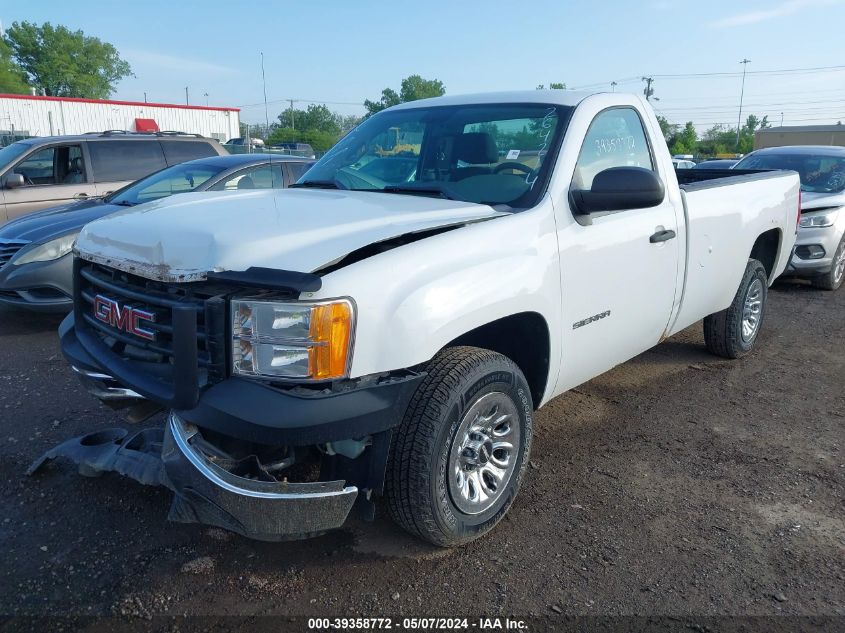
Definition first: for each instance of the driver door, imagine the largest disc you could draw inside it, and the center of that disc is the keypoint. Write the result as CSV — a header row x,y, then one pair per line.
x,y
618,277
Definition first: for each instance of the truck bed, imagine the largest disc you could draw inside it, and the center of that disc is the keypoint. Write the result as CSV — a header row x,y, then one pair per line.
x,y
695,179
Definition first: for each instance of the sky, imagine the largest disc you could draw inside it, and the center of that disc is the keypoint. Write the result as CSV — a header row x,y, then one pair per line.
x,y
342,52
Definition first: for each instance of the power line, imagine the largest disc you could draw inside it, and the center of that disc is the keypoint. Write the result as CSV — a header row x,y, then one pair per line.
x,y
288,100
778,71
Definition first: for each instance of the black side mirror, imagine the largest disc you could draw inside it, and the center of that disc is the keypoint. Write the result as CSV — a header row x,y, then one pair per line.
x,y
13,181
618,189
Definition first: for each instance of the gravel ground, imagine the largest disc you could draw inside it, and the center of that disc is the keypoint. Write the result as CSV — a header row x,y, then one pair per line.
x,y
678,483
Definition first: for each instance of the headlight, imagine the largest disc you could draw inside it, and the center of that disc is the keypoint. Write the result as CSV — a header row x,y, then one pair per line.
x,y
816,221
47,251
306,341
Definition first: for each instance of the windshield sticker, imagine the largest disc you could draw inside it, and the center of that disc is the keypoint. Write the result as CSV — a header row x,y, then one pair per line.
x,y
513,154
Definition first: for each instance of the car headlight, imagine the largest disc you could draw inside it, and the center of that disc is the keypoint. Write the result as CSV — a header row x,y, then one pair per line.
x,y
817,221
287,339
47,251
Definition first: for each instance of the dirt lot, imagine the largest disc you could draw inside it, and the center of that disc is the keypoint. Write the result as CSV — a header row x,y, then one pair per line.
x,y
676,484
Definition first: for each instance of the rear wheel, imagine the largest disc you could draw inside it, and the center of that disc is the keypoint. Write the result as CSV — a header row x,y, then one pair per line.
x,y
833,279
732,332
457,459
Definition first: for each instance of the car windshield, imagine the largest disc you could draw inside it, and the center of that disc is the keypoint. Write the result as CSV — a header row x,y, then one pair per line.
x,y
488,154
176,179
9,153
819,173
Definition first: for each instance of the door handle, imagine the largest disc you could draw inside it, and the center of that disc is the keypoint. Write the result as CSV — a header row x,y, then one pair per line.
x,y
662,236
80,196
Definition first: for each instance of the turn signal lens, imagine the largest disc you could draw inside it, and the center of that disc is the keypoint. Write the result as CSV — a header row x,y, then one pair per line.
x,y
331,330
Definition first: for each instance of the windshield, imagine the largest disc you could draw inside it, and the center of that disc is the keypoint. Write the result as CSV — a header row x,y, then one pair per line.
x,y
176,179
9,153
488,154
819,173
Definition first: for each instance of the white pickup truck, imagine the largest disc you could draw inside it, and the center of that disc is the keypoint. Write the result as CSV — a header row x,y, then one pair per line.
x,y
388,327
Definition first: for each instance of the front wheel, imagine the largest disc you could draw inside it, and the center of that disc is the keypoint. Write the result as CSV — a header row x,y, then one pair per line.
x,y
833,280
458,457
732,332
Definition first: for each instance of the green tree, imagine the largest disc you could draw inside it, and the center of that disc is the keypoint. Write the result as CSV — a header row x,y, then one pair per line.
x,y
12,77
668,129
412,88
553,86
684,141
314,117
65,63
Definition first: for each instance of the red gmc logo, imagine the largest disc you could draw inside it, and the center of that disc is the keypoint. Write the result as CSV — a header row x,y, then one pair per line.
x,y
126,318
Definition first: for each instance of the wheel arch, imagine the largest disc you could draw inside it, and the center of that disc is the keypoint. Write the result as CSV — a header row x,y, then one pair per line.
x,y
766,249
522,337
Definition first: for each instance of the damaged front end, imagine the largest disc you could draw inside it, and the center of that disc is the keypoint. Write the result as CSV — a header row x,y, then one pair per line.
x,y
263,493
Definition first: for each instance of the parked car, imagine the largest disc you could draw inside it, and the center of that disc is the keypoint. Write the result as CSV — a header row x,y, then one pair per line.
x,y
296,149
45,171
244,142
820,248
350,338
36,270
717,163
681,163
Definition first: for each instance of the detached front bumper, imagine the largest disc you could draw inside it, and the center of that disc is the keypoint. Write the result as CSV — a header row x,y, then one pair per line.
x,y
206,489
343,432
39,286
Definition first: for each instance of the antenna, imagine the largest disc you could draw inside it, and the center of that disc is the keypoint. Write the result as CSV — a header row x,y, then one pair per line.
x,y
266,115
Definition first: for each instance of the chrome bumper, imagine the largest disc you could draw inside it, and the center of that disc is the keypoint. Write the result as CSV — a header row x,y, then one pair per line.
x,y
103,386
269,511
204,491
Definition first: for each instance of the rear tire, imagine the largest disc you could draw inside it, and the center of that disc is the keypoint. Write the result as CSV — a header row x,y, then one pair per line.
x,y
833,280
458,457
732,332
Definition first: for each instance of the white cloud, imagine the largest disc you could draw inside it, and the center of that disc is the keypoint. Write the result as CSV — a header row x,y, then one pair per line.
x,y
777,11
172,62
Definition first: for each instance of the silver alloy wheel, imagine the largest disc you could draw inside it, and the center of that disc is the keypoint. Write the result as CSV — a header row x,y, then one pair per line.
x,y
484,453
839,264
752,310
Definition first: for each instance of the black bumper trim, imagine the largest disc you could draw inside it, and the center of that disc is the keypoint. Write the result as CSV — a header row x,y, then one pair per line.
x,y
252,411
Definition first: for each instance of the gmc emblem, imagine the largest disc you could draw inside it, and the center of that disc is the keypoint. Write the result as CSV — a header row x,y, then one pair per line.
x,y
126,318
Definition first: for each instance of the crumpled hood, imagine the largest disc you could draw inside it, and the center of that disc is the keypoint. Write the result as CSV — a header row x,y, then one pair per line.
x,y
183,237
811,200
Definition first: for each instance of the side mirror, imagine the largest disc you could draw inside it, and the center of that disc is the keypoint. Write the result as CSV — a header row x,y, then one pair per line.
x,y
619,189
13,181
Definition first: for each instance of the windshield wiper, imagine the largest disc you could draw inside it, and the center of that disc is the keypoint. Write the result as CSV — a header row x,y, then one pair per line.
x,y
428,190
317,184
124,203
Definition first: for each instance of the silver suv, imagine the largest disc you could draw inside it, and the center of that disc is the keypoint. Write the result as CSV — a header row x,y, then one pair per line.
x,y
45,171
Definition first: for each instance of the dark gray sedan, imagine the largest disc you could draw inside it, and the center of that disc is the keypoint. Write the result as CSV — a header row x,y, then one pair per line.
x,y
35,259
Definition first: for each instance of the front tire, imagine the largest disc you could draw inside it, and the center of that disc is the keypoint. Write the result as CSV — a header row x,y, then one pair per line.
x,y
458,457
833,280
732,332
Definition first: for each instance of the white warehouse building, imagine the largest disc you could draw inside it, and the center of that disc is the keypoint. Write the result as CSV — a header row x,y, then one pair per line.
x,y
24,115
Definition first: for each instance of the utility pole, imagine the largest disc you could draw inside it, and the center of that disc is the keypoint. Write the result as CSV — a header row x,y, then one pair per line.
x,y
613,86
145,97
781,119
648,92
186,96
205,94
744,63
292,122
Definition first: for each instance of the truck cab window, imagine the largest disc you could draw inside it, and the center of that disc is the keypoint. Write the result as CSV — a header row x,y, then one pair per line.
x,y
616,138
